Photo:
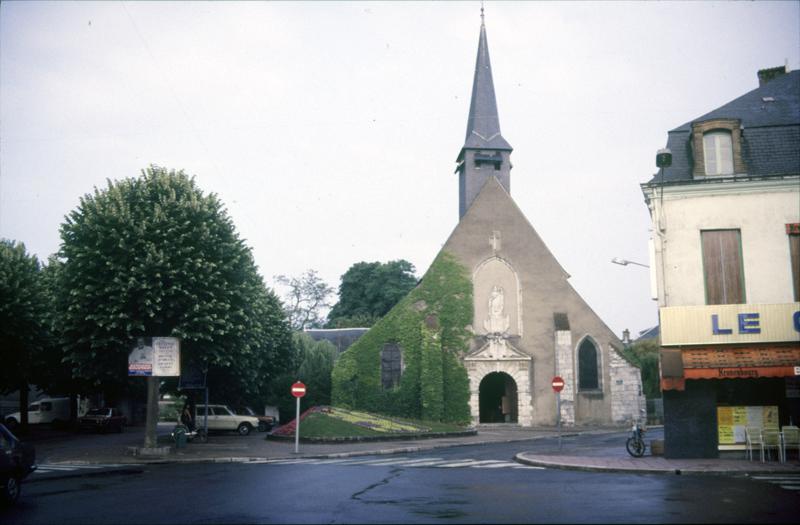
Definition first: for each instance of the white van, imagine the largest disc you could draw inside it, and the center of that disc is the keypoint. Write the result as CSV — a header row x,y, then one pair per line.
x,y
45,410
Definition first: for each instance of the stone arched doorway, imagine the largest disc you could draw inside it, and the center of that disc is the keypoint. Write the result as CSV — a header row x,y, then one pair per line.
x,y
497,396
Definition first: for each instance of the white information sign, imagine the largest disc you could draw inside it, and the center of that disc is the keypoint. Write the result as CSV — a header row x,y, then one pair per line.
x,y
166,356
155,356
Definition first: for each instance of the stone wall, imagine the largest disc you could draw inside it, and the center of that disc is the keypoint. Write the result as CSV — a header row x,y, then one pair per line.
x,y
565,368
627,400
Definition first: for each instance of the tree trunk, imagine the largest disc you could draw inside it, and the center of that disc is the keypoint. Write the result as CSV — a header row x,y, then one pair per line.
x,y
150,438
23,407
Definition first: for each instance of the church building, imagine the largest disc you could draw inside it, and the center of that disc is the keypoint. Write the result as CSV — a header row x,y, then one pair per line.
x,y
529,324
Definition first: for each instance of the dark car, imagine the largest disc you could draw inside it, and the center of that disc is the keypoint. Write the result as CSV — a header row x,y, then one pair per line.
x,y
103,420
17,460
265,423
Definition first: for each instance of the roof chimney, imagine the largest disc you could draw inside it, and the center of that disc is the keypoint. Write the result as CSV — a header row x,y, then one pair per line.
x,y
765,75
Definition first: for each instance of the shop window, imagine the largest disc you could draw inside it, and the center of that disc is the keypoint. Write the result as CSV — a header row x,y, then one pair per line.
x,y
722,266
793,230
391,365
588,377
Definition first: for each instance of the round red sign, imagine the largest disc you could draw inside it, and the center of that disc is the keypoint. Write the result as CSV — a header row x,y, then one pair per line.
x,y
298,389
558,384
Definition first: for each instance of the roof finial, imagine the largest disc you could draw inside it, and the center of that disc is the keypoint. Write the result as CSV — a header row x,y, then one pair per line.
x,y
481,12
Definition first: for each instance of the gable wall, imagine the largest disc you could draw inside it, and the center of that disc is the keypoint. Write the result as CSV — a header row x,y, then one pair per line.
x,y
544,290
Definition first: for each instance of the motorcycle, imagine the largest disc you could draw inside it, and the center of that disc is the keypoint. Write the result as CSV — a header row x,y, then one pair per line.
x,y
190,435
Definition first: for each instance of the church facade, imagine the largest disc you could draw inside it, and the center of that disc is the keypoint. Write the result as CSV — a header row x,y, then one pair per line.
x,y
529,324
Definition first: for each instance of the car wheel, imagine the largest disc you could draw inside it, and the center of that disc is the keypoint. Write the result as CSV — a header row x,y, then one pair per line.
x,y
262,426
120,427
12,490
244,429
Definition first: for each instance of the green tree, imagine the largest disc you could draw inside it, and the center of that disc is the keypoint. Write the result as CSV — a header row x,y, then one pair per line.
x,y
644,354
315,368
154,256
306,299
24,334
312,364
369,290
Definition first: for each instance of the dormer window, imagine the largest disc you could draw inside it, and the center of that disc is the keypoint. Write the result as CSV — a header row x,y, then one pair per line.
x,y
717,148
718,152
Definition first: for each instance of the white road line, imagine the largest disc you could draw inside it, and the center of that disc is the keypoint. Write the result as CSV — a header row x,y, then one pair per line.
x,y
468,463
285,461
415,462
768,478
497,464
327,461
428,463
377,462
790,487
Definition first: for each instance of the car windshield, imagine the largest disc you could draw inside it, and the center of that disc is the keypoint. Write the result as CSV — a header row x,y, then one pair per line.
x,y
97,412
245,411
33,408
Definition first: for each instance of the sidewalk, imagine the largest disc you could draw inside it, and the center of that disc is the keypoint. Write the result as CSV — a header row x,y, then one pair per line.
x,y
587,451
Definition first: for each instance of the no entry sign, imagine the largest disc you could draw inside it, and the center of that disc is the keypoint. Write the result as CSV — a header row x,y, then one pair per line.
x,y
298,389
558,384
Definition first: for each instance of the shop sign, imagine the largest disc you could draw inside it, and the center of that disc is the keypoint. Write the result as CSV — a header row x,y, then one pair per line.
x,y
730,324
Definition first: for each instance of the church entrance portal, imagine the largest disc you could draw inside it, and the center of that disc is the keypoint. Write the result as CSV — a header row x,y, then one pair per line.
x,y
498,398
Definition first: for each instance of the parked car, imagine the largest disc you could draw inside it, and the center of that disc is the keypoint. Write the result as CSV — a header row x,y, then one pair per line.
x,y
220,417
17,460
265,423
102,420
45,410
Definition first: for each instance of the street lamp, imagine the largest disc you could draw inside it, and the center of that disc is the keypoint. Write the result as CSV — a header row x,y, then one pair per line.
x,y
626,262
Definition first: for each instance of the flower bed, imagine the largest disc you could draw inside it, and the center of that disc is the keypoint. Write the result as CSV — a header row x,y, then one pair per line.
x,y
375,423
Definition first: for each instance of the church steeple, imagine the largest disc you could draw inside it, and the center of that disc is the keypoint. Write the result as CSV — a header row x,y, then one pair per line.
x,y
485,153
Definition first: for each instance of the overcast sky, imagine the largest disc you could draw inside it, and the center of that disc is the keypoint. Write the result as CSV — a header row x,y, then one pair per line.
x,y
330,129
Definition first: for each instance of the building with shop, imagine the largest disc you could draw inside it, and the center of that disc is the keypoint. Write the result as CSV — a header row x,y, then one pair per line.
x,y
726,256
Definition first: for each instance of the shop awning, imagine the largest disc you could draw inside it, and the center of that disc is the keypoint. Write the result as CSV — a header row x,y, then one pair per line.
x,y
727,363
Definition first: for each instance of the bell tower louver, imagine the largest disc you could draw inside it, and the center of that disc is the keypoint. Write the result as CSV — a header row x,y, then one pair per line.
x,y
485,153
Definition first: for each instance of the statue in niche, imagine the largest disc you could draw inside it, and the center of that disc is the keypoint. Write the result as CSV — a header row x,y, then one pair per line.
x,y
497,322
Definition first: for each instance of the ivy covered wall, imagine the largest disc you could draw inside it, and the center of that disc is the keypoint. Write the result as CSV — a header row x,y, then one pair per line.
x,y
431,327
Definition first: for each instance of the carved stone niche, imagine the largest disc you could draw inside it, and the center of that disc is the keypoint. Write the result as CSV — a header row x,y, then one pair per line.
x,y
496,299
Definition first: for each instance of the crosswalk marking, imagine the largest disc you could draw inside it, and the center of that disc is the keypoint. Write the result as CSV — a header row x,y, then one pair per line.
x,y
404,462
786,482
44,468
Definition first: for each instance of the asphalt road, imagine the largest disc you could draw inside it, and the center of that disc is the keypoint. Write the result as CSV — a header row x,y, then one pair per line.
x,y
474,484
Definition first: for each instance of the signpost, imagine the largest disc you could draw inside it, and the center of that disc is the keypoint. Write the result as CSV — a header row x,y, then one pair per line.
x,y
154,357
558,386
298,391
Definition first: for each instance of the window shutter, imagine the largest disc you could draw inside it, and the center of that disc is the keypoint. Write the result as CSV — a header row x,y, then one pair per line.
x,y
722,265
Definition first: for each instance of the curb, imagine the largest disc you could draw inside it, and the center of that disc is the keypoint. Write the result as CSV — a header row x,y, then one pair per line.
x,y
538,462
367,439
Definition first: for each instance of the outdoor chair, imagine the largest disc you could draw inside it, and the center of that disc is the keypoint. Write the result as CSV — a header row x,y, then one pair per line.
x,y
790,436
771,439
753,440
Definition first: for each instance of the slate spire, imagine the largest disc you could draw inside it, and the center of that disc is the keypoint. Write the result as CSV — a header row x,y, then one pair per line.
x,y
485,152
483,123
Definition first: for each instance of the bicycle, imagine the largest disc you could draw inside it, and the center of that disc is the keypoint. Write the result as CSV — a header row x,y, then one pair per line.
x,y
635,444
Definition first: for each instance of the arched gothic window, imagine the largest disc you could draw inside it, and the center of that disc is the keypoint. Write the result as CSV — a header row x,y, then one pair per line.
x,y
588,366
391,365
